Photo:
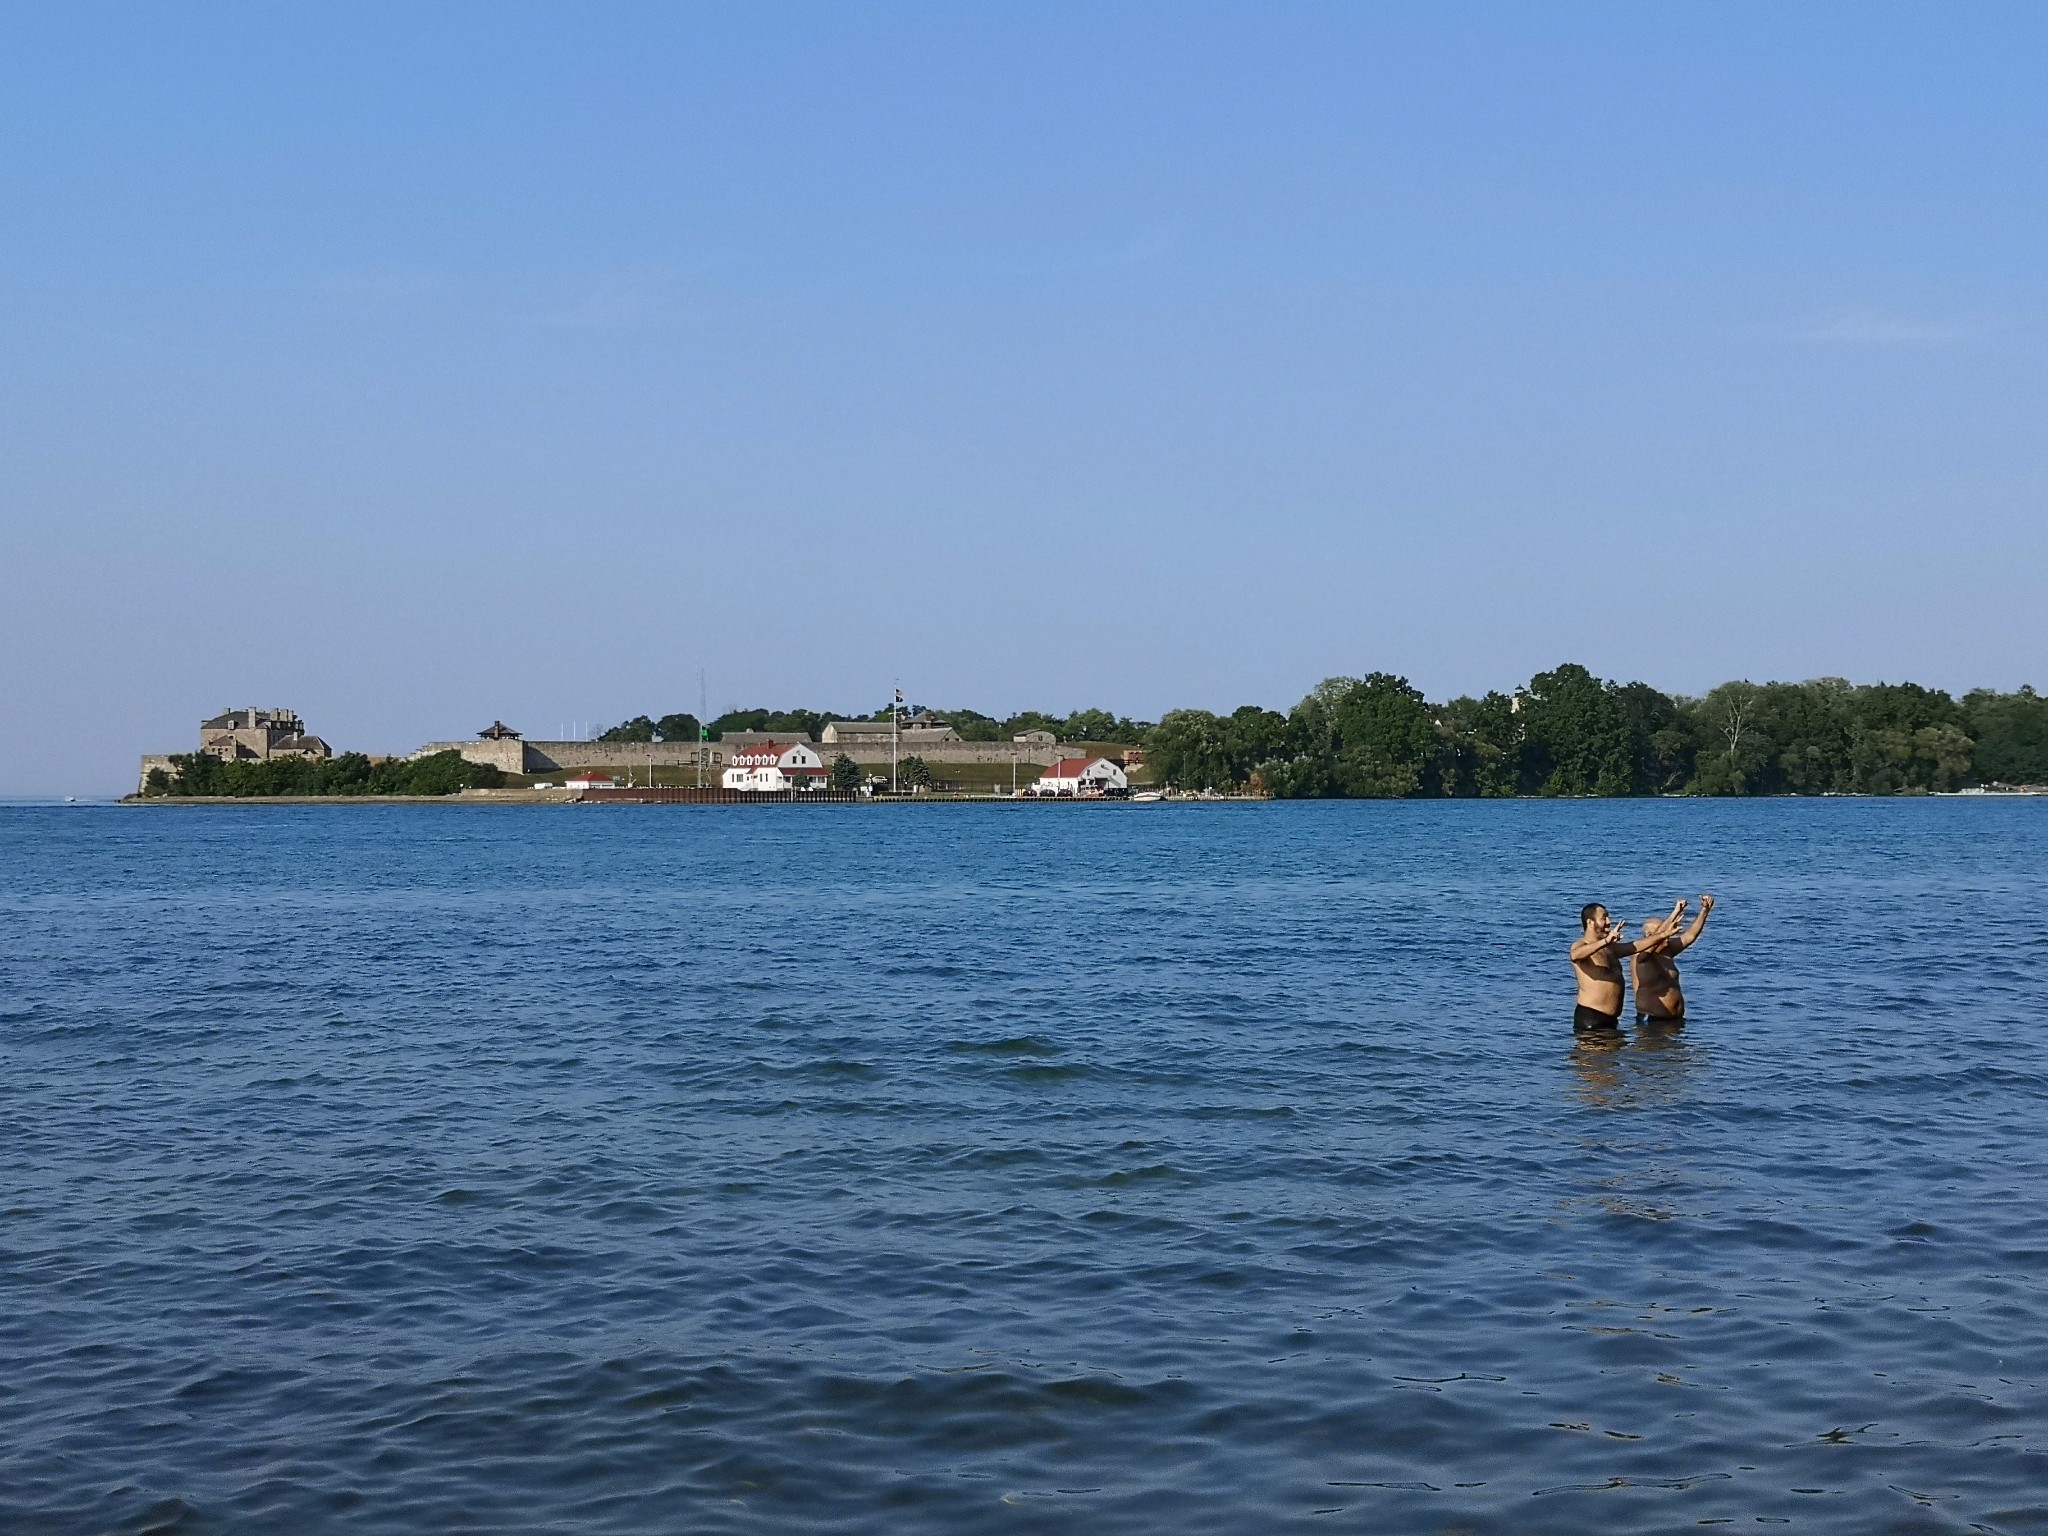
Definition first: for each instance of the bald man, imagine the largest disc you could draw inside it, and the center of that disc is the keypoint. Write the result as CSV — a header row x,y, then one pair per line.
x,y
1654,969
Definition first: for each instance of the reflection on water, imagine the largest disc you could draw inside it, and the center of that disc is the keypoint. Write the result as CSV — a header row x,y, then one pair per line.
x,y
1653,1069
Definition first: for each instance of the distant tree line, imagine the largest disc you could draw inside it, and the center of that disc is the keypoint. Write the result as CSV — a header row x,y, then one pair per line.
x,y
1565,732
1081,725
443,773
644,728
1570,733
806,723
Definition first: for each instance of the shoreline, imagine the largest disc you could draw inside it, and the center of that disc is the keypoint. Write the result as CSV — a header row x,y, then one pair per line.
x,y
561,797
557,797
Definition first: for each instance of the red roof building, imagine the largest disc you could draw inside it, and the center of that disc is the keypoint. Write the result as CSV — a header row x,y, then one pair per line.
x,y
1074,777
769,766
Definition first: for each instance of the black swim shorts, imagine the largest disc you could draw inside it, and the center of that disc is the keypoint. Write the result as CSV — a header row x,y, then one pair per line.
x,y
1587,1020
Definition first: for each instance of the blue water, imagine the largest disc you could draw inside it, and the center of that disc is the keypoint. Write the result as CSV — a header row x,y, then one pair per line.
x,y
1023,1168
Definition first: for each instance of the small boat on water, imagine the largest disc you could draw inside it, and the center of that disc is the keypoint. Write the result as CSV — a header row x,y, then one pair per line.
x,y
1147,797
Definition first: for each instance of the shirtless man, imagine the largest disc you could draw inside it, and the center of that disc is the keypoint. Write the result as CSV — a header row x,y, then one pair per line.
x,y
1658,998
1597,960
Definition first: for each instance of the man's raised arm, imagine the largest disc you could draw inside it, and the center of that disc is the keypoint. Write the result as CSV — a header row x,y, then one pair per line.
x,y
1691,936
1593,943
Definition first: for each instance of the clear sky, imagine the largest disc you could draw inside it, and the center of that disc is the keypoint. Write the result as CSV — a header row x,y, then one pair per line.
x,y
420,365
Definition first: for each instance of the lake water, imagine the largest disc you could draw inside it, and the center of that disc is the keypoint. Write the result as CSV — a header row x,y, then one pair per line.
x,y
1018,1168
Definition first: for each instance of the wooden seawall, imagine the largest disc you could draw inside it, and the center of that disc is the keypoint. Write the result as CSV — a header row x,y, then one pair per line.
x,y
683,794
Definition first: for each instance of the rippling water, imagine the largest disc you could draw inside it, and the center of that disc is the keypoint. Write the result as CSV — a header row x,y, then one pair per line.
x,y
937,1169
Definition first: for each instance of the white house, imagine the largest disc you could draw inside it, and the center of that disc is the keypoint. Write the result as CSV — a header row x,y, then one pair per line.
x,y
592,779
771,767
1072,777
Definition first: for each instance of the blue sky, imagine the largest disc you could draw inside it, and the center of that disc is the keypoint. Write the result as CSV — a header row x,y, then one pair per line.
x,y
416,366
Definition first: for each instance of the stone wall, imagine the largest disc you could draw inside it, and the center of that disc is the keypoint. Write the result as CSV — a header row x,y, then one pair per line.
x,y
568,756
508,755
955,752
544,757
153,760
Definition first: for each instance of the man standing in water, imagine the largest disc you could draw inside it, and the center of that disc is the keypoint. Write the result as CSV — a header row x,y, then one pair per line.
x,y
1658,998
1597,960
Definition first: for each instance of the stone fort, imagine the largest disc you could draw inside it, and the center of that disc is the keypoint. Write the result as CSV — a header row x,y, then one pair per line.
x,y
261,734
865,741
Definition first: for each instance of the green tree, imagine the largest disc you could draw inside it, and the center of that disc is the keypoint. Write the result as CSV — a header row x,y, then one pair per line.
x,y
1575,735
1889,753
1660,747
1307,765
444,773
1480,746
1370,737
914,773
1826,736
1092,725
797,722
351,773
1189,749
1384,737
1733,751
681,727
1942,758
846,773
972,725
1252,737
2011,735
739,720
1033,720
1810,731
1904,707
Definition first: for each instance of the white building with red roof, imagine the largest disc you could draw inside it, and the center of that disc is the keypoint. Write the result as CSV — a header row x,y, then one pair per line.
x,y
1072,777
771,766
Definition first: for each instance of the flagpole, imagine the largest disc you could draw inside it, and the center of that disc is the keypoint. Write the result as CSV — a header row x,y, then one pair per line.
x,y
895,719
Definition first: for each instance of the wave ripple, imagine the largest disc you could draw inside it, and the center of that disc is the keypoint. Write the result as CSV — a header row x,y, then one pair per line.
x,y
1218,1168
